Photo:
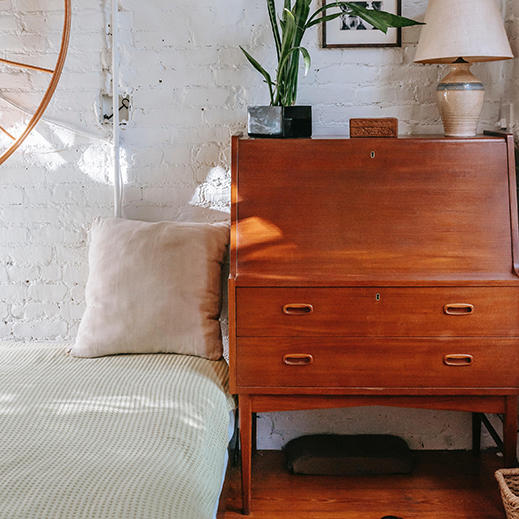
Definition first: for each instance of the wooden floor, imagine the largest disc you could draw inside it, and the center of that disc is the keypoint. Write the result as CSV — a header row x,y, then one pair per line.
x,y
443,485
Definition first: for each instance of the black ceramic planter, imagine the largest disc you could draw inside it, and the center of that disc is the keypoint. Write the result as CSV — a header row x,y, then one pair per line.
x,y
279,121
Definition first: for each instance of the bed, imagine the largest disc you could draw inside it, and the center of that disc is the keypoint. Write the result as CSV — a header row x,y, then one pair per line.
x,y
114,437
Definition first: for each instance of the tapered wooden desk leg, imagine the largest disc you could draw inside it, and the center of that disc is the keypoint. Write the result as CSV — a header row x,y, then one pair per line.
x,y
246,450
510,431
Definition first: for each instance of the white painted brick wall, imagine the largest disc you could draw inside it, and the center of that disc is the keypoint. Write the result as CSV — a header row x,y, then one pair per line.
x,y
189,86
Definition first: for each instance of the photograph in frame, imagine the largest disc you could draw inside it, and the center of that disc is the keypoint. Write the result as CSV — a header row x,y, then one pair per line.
x,y
351,31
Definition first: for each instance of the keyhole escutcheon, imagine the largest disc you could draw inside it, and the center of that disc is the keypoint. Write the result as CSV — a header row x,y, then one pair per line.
x,y
372,154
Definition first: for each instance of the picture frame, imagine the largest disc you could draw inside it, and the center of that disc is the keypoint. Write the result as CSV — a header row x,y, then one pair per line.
x,y
349,31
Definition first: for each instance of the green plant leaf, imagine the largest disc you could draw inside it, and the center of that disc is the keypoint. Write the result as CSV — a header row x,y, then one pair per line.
x,y
288,93
379,19
287,41
301,12
323,19
392,20
284,67
271,6
306,57
288,31
286,7
324,8
321,9
369,16
262,71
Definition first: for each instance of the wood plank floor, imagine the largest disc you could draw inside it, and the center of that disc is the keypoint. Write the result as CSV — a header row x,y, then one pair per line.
x,y
443,485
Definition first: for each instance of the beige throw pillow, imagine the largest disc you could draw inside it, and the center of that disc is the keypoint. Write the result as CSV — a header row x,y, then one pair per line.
x,y
153,288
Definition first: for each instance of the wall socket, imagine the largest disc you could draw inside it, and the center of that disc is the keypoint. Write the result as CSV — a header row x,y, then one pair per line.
x,y
107,109
507,116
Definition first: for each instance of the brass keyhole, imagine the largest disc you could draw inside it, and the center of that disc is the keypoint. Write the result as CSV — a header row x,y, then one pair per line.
x,y
377,297
372,154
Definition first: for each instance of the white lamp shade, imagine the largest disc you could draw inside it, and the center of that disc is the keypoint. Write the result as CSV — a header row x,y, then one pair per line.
x,y
468,29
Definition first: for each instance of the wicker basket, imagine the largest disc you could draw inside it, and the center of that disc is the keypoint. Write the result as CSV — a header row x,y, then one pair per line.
x,y
508,480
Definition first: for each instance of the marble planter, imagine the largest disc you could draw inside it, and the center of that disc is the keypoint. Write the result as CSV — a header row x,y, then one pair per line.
x,y
279,121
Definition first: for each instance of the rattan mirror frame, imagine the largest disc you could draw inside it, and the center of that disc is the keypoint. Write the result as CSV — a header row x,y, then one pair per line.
x,y
56,74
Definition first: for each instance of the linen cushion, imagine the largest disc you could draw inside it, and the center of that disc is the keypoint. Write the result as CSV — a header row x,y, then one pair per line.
x,y
153,288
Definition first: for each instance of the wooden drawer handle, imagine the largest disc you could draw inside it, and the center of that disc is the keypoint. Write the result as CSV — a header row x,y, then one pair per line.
x,y
298,359
298,309
456,359
458,309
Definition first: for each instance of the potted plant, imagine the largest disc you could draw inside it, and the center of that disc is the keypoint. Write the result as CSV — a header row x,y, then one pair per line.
x,y
282,118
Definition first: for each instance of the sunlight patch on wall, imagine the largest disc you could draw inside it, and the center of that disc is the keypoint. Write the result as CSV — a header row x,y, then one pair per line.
x,y
97,163
215,192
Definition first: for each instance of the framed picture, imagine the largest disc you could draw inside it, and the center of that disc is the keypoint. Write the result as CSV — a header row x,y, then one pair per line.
x,y
351,31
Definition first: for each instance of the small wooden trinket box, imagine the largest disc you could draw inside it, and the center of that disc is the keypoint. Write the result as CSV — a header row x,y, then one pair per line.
x,y
386,127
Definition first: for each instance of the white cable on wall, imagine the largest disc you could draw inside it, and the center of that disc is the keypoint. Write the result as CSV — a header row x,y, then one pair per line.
x,y
115,99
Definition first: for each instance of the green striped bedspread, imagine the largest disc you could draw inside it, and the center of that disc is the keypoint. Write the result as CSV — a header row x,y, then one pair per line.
x,y
121,437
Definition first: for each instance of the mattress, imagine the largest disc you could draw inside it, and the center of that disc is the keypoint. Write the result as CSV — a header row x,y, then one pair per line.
x,y
120,437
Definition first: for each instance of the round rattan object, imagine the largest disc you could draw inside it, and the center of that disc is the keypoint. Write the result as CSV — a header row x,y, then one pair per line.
x,y
54,78
508,480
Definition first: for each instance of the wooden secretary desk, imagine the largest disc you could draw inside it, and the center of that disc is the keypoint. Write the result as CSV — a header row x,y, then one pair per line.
x,y
374,271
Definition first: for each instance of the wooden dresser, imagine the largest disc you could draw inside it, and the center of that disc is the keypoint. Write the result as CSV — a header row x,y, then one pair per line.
x,y
374,271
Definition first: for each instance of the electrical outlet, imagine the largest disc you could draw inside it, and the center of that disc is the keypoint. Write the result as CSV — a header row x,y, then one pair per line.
x,y
507,116
107,109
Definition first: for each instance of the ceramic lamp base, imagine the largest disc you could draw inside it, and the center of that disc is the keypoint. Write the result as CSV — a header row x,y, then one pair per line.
x,y
460,100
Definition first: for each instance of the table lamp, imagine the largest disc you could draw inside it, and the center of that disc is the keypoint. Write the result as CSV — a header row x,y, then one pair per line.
x,y
462,32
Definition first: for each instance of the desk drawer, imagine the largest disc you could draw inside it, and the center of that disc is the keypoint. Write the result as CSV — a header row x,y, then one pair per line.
x,y
382,312
392,363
